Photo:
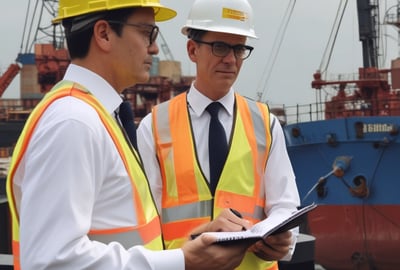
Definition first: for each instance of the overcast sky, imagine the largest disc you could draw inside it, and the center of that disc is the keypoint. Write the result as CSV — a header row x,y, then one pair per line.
x,y
299,56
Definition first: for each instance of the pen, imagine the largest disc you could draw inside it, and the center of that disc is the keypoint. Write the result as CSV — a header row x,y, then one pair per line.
x,y
237,213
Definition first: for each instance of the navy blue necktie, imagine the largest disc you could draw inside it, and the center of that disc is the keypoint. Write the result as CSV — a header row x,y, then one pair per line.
x,y
127,119
217,145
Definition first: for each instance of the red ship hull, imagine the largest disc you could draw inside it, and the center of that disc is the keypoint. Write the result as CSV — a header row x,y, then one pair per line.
x,y
364,236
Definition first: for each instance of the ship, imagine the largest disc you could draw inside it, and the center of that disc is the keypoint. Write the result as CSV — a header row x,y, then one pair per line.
x,y
345,152
40,64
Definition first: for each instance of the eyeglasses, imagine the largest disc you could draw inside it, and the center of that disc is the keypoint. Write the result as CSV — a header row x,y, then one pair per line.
x,y
151,30
222,49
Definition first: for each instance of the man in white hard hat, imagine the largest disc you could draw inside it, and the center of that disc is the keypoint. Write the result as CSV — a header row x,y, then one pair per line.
x,y
255,176
78,195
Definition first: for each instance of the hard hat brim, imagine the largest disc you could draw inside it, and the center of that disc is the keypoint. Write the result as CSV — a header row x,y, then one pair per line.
x,y
219,29
161,13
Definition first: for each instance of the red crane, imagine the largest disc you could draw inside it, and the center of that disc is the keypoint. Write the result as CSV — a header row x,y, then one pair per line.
x,y
43,58
7,77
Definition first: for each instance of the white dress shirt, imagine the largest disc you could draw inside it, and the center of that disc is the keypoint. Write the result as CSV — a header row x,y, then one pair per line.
x,y
72,179
280,185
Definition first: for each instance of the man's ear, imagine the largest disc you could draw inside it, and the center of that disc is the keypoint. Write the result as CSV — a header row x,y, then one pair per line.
x,y
101,34
192,50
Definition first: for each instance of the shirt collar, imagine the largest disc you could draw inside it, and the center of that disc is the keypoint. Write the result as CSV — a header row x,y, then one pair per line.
x,y
198,102
99,87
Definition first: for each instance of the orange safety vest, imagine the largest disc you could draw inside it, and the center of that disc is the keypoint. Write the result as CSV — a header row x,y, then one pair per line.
x,y
186,198
148,230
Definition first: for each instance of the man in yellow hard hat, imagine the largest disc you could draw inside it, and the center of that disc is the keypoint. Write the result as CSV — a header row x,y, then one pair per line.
x,y
78,195
191,181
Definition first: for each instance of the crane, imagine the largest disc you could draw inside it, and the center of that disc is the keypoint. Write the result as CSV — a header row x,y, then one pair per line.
x,y
165,48
42,45
7,77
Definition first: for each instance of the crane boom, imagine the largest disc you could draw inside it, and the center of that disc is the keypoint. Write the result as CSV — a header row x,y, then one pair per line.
x,y
8,76
164,47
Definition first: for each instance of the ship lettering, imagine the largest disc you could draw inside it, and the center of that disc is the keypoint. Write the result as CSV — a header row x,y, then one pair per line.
x,y
373,128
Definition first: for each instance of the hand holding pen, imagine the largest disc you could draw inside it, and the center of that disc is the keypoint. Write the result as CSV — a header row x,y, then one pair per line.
x,y
229,220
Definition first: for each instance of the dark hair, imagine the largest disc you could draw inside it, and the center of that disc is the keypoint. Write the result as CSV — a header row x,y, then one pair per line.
x,y
196,34
78,39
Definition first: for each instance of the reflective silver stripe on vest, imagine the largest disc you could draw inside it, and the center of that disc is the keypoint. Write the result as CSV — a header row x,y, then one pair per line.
x,y
259,213
163,122
127,239
261,138
259,127
187,211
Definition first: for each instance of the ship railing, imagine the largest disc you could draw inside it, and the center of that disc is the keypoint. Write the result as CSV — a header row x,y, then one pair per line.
x,y
337,109
4,165
341,77
351,78
16,109
298,113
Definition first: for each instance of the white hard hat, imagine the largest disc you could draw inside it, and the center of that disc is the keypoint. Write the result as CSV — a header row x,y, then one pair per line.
x,y
226,16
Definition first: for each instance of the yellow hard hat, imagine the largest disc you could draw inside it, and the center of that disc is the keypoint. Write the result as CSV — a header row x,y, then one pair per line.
x,y
73,8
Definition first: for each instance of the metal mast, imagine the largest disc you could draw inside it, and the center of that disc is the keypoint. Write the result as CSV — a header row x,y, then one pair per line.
x,y
368,21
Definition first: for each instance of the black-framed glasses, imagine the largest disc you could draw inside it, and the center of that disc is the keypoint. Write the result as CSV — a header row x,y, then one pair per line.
x,y
151,29
222,49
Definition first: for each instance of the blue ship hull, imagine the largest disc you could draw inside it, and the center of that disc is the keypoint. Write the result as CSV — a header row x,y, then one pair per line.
x,y
350,167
